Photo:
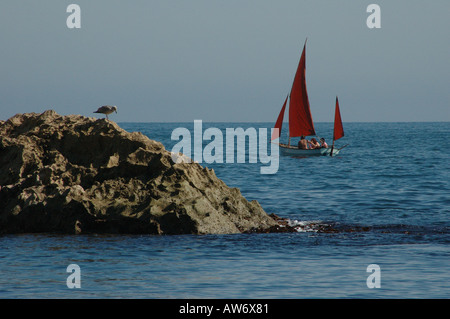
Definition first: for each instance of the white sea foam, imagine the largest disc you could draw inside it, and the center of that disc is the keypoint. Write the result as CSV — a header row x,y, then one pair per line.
x,y
303,226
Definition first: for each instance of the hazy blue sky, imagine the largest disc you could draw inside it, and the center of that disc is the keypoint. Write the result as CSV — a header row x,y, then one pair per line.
x,y
231,60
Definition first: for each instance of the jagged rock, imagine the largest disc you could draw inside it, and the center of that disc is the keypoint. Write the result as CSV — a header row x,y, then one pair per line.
x,y
74,174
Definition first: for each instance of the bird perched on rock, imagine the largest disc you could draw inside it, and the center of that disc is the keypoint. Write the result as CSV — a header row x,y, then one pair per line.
x,y
106,109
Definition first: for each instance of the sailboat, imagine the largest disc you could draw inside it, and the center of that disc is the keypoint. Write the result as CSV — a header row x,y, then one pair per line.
x,y
300,119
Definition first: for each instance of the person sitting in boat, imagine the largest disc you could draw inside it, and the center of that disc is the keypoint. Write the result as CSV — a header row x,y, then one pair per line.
x,y
323,144
303,143
313,144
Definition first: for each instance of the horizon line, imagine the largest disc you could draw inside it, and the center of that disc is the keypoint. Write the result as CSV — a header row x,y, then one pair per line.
x,y
209,121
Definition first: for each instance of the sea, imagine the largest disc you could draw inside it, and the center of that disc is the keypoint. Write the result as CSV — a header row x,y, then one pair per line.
x,y
386,195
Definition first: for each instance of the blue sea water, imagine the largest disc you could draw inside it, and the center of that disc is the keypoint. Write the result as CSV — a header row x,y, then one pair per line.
x,y
392,181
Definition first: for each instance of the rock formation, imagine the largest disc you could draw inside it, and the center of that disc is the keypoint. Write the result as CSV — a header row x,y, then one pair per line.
x,y
74,174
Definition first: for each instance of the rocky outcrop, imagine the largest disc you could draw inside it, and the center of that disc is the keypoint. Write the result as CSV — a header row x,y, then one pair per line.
x,y
74,174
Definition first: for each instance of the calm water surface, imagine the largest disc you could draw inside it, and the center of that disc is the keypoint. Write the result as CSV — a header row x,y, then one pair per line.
x,y
388,180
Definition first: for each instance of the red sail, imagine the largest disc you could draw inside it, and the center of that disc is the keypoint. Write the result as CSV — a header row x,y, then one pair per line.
x,y
338,129
279,122
300,119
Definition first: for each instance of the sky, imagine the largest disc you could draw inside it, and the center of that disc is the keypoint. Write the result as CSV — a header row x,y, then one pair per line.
x,y
220,61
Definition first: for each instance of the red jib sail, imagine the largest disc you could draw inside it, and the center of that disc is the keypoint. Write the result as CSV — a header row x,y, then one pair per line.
x,y
300,119
338,129
279,123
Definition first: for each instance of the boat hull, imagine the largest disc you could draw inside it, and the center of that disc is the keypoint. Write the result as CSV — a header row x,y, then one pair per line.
x,y
295,151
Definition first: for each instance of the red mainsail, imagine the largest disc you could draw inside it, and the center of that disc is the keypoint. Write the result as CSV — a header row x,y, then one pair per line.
x,y
279,123
338,129
300,119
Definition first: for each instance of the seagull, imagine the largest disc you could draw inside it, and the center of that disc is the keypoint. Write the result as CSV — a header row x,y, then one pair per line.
x,y
106,109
